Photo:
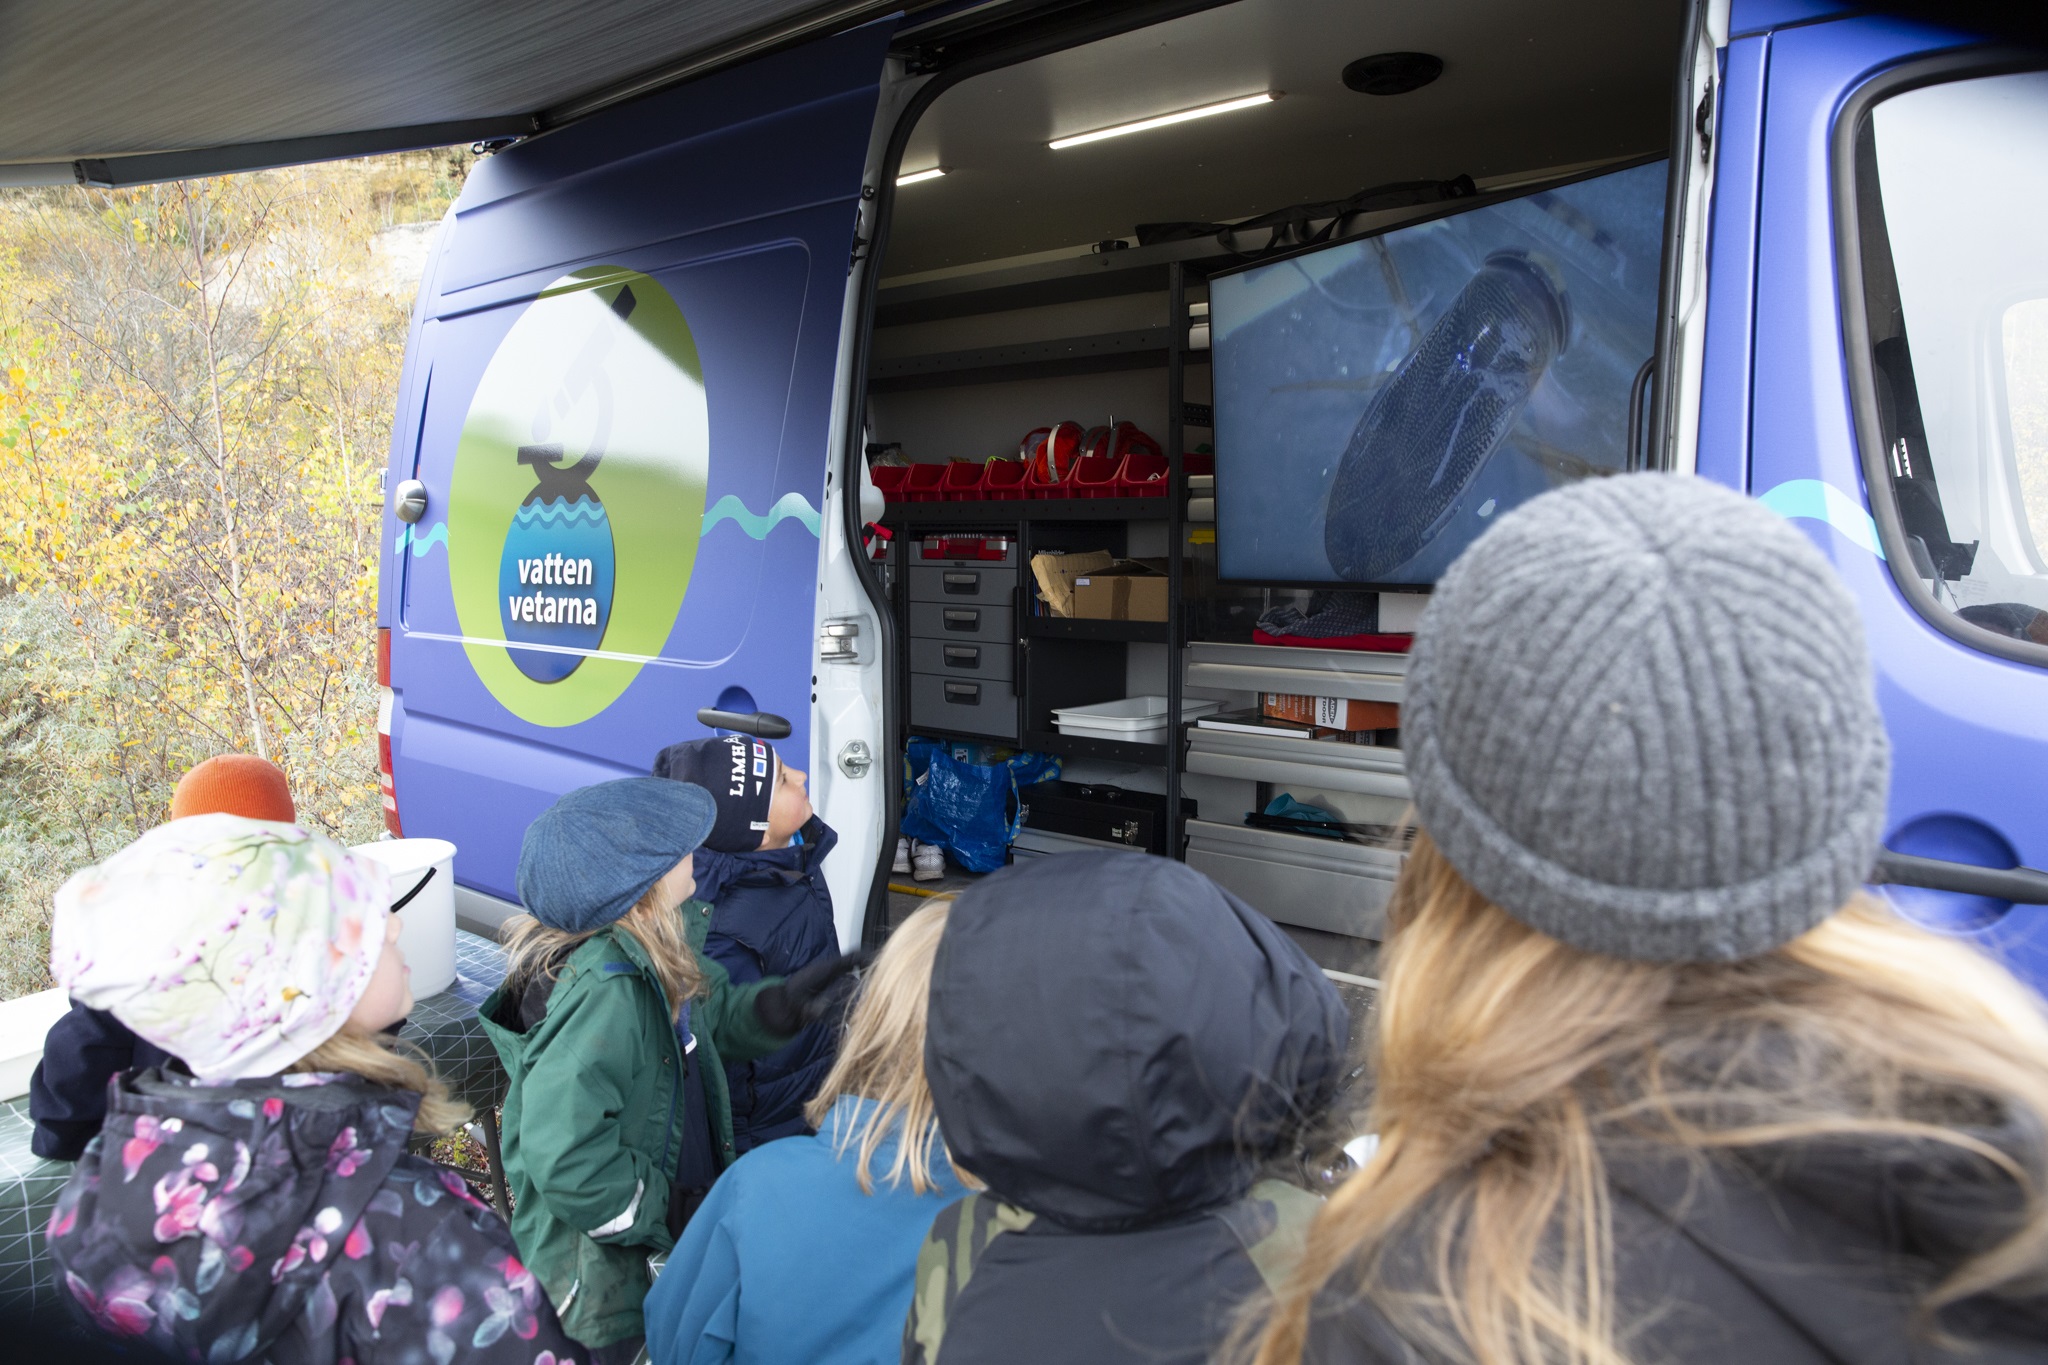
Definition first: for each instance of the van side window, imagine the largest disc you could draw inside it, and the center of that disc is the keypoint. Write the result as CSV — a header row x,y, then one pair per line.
x,y
1951,199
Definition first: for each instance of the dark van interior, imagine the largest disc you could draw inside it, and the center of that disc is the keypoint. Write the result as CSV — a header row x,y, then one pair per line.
x,y
1030,285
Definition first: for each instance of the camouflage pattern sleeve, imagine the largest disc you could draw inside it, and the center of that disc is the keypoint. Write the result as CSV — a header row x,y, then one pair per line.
x,y
1271,1222
951,1250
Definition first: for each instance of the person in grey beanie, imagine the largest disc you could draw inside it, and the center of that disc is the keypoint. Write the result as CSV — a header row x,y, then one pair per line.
x,y
1656,1078
613,1026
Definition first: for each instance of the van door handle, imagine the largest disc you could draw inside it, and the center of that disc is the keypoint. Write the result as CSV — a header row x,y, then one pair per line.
x,y
760,724
2020,885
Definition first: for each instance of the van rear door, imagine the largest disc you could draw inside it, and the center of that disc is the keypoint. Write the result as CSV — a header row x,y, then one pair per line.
x,y
619,396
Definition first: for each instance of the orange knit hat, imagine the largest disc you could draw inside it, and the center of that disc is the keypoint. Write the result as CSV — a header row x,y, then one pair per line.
x,y
235,784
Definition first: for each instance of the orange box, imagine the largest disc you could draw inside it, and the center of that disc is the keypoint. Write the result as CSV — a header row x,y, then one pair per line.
x,y
1332,713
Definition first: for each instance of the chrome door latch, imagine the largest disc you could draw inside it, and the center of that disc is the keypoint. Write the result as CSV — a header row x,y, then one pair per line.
x,y
839,642
855,758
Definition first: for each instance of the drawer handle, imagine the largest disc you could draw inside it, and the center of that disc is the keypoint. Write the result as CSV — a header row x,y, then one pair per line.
x,y
962,620
962,656
962,583
968,693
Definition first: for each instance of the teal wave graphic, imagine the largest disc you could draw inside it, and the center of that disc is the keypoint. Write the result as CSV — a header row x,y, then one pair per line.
x,y
1816,500
423,543
567,513
787,507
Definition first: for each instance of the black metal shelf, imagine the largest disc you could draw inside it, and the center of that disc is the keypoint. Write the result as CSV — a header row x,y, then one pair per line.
x,y
1025,509
1079,628
1141,348
1108,750
1135,270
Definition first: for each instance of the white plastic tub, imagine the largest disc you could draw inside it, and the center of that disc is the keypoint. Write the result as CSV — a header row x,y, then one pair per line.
x,y
426,926
1133,720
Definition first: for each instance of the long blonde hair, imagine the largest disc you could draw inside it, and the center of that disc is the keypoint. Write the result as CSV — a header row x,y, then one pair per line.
x,y
533,949
881,1058
388,1061
1504,1058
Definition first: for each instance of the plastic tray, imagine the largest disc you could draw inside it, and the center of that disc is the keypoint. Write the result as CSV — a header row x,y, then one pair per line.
x,y
1004,480
1143,475
923,483
889,478
1133,720
1094,476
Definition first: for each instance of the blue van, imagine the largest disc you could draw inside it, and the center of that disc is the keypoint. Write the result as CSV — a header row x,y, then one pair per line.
x,y
656,349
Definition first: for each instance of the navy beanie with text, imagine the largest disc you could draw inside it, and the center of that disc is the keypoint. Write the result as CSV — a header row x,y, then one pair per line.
x,y
739,772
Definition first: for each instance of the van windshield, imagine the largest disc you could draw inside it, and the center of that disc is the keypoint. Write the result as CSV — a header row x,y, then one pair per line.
x,y
1953,187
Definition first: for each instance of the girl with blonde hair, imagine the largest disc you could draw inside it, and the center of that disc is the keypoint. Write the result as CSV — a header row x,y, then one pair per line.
x,y
1656,1080
613,1028
807,1247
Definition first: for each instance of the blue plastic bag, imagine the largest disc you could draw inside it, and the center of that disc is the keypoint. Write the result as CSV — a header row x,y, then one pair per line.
x,y
969,809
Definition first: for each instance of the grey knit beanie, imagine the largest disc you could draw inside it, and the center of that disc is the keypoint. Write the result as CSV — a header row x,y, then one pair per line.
x,y
1640,719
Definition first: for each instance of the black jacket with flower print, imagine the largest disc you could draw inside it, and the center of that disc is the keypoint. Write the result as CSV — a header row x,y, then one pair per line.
x,y
282,1220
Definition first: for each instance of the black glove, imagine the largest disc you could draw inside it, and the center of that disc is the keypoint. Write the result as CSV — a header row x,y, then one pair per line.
x,y
809,993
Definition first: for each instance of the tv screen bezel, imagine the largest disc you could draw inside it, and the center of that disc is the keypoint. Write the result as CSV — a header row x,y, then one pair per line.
x,y
1451,209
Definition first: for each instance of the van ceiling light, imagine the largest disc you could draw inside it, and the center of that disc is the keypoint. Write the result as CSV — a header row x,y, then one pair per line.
x,y
915,176
1165,120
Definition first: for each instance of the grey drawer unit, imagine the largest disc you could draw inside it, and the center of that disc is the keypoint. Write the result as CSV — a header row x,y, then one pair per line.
x,y
1318,764
967,659
963,584
1312,672
942,621
1326,884
956,705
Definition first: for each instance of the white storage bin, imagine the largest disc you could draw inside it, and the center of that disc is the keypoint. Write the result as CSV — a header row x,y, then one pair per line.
x,y
426,927
1134,720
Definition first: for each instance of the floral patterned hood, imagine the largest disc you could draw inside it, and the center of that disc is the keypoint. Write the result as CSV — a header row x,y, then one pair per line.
x,y
206,1218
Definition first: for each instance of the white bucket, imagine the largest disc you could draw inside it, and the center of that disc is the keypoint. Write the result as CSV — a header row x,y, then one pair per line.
x,y
426,926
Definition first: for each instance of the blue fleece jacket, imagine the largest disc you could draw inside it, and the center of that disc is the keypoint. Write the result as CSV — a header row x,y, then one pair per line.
x,y
788,1261
771,913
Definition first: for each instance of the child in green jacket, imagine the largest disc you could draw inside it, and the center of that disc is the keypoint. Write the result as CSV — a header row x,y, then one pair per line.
x,y
614,1029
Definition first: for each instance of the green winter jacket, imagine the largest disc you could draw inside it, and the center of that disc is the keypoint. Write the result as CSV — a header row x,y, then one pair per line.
x,y
594,1118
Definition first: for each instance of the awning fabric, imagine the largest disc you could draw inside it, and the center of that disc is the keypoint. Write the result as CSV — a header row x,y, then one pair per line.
x,y
126,91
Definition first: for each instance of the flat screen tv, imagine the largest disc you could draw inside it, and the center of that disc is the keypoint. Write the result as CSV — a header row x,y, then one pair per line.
x,y
1381,399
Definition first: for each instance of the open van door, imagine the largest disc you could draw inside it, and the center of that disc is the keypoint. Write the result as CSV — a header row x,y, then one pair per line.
x,y
619,399
1876,369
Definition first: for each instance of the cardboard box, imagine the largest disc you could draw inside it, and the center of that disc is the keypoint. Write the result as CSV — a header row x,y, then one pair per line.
x,y
1334,713
1127,590
1056,575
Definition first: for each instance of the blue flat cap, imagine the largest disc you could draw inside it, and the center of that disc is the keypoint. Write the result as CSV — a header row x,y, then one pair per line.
x,y
589,857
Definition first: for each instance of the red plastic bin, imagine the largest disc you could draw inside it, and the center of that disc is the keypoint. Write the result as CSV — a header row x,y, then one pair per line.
x,y
962,482
889,478
1142,475
1004,480
1199,462
923,484
1094,476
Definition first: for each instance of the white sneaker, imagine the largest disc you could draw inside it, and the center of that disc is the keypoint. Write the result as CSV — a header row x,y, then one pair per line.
x,y
929,860
902,863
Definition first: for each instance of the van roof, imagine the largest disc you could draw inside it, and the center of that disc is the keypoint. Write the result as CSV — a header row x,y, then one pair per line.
x,y
131,91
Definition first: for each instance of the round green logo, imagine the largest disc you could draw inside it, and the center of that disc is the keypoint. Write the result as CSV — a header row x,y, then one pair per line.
x,y
578,495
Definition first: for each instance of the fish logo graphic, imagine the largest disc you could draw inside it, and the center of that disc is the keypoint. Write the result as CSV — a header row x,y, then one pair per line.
x,y
578,494
555,574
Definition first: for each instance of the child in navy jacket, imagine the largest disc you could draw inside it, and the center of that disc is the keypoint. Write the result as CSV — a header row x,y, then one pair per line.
x,y
762,870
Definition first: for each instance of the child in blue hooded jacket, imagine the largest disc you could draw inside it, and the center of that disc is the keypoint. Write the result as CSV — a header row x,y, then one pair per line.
x,y
806,1250
762,870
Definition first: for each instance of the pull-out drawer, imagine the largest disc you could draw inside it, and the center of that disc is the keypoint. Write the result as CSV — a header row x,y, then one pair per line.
x,y
1320,764
941,621
985,706
963,584
1327,884
969,659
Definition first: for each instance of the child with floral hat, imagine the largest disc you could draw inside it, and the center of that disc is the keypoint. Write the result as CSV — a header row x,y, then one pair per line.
x,y
67,1097
264,1206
